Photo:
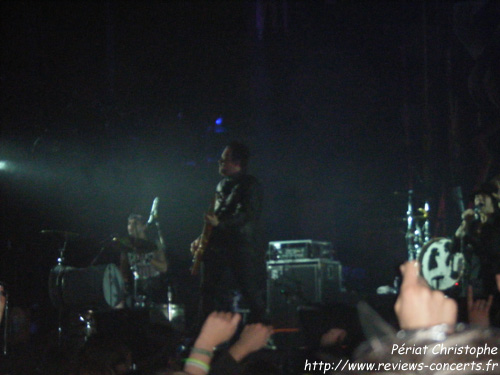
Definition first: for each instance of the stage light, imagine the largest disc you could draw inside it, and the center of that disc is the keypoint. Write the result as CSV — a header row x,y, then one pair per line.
x,y
6,166
219,128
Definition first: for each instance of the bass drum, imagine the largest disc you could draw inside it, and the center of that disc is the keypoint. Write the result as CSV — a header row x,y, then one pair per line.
x,y
439,266
95,287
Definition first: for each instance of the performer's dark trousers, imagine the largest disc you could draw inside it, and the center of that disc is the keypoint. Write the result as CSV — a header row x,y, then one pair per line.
x,y
238,269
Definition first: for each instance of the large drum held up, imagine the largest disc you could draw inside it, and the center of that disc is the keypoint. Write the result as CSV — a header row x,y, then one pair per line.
x,y
441,268
95,287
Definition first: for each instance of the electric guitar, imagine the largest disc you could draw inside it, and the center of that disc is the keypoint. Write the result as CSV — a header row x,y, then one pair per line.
x,y
203,243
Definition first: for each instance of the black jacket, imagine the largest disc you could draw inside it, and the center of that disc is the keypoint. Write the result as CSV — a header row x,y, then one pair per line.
x,y
238,205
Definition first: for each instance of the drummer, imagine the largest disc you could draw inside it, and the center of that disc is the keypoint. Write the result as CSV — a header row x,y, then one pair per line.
x,y
479,234
143,263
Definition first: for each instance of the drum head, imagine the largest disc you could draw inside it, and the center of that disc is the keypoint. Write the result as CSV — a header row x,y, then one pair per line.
x,y
95,287
439,266
112,285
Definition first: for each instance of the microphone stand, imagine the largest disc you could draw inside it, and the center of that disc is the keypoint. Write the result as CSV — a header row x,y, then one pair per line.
x,y
160,236
97,256
161,242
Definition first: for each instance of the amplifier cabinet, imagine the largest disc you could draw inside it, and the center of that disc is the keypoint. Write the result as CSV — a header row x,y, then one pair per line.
x,y
295,283
299,249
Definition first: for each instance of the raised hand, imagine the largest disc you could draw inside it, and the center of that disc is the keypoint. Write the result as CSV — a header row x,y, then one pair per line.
x,y
418,306
478,310
252,338
218,328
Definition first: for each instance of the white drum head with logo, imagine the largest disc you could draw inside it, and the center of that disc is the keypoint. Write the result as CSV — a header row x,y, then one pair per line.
x,y
439,266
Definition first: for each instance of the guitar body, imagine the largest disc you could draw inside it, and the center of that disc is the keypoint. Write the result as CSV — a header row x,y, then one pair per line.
x,y
203,243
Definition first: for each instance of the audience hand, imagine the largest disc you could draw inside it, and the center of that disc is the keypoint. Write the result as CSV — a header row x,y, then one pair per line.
x,y
479,310
2,302
253,338
218,328
418,306
333,337
467,217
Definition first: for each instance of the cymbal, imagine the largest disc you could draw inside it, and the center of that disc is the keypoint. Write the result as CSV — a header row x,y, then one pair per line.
x,y
130,245
61,234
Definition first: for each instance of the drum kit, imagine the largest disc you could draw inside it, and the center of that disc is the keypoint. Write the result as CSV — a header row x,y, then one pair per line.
x,y
100,287
442,268
94,287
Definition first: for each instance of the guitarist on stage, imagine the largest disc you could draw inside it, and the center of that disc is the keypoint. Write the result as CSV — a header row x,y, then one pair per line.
x,y
232,261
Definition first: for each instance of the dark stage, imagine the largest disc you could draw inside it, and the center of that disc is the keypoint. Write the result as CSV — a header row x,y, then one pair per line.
x,y
358,114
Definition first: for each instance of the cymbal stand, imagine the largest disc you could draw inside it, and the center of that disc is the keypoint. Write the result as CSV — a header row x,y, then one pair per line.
x,y
410,233
417,234
138,300
60,263
62,250
426,227
422,233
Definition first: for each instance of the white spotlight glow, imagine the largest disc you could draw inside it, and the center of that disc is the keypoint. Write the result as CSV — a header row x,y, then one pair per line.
x,y
6,166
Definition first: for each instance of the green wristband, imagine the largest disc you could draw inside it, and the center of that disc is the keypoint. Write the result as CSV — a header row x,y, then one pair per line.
x,y
208,353
197,363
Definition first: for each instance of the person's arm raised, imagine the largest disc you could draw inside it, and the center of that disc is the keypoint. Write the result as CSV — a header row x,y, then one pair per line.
x,y
418,306
218,328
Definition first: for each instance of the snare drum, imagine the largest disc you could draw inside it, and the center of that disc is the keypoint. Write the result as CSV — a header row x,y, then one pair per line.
x,y
441,268
96,287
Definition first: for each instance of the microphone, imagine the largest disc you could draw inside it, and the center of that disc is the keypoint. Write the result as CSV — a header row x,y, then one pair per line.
x,y
477,211
154,211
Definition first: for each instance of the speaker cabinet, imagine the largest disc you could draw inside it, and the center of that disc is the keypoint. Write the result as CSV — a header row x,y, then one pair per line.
x,y
295,283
